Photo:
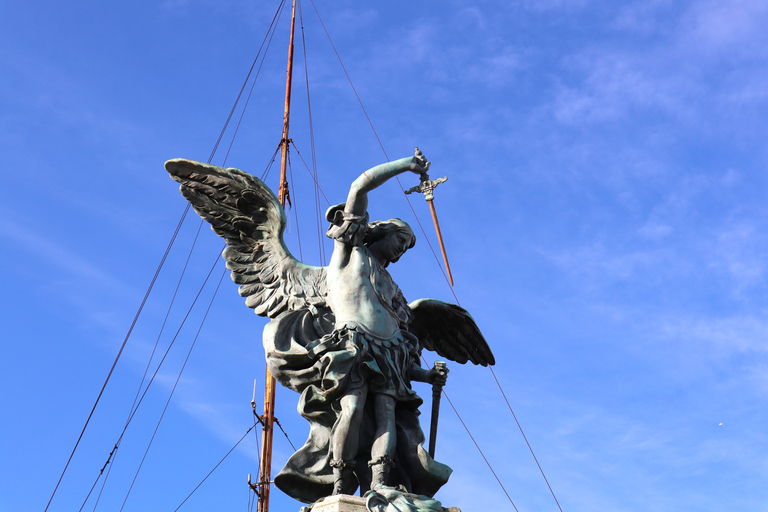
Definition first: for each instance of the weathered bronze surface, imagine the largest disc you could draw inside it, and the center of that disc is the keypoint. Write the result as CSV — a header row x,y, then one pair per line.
x,y
343,335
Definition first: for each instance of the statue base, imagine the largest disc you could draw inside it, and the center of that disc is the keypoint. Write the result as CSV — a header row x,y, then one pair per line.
x,y
382,500
340,503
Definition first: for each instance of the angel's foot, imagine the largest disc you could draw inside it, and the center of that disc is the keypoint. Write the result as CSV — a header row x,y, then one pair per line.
x,y
343,477
380,472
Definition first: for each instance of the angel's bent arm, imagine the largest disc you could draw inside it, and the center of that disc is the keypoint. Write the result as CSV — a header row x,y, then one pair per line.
x,y
357,200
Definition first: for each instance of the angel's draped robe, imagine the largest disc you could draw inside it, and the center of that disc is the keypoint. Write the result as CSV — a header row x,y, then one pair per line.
x,y
306,354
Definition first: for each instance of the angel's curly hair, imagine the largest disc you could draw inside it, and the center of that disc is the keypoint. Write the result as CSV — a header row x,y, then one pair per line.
x,y
379,229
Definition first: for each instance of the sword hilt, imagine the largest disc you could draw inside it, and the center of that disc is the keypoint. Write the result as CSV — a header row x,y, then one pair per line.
x,y
437,389
442,368
426,186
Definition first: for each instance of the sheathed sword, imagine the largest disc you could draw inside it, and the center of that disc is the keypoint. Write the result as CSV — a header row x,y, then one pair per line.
x,y
437,390
426,186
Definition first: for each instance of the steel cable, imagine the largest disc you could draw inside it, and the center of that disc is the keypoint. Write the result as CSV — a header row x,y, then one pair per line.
x,y
175,384
442,270
245,82
154,279
312,149
119,353
137,400
273,28
525,437
214,468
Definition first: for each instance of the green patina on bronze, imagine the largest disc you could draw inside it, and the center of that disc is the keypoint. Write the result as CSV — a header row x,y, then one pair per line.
x,y
343,336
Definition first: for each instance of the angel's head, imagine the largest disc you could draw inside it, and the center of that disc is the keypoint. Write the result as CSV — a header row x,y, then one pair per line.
x,y
389,239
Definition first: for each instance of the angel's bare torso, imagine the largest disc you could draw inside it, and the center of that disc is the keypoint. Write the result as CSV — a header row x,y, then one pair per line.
x,y
351,292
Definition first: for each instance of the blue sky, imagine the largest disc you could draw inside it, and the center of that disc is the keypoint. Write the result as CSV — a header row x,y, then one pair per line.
x,y
604,218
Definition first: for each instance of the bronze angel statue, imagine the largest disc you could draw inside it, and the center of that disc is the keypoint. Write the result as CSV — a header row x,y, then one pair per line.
x,y
343,336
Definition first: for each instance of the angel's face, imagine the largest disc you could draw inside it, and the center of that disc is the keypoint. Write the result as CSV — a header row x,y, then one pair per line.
x,y
395,244
394,237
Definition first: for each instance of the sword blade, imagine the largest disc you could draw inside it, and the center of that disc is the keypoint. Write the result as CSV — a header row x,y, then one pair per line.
x,y
440,239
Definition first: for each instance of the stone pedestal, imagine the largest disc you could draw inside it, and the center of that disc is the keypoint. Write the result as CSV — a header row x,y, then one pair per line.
x,y
381,500
340,503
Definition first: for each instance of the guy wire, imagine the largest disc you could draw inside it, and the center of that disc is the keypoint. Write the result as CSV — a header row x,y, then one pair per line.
x,y
215,467
154,279
173,390
434,254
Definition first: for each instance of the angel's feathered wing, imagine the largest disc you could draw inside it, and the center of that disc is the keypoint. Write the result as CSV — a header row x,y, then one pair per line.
x,y
450,331
244,211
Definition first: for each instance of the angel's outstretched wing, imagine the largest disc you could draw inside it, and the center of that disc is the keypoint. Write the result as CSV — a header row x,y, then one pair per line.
x,y
450,331
245,212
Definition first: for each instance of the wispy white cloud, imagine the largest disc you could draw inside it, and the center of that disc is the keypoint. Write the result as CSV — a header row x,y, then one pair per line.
x,y
614,84
221,422
556,5
644,18
195,395
739,250
600,448
655,231
357,19
757,376
57,259
597,455
174,5
719,337
597,264
673,76
725,28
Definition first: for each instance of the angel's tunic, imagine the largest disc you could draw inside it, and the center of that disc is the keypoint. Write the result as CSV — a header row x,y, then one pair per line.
x,y
306,352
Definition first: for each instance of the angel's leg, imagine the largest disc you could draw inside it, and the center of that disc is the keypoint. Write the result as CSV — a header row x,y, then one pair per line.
x,y
345,439
384,443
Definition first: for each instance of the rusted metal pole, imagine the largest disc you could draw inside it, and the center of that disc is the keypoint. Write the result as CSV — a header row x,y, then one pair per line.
x,y
265,464
265,469
283,190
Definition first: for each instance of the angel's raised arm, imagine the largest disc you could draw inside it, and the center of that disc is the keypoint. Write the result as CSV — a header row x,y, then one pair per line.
x,y
357,200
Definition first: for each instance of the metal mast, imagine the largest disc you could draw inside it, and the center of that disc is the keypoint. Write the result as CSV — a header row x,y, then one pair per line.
x,y
265,464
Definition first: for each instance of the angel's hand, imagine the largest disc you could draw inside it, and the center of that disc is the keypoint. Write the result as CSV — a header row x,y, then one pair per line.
x,y
438,375
419,163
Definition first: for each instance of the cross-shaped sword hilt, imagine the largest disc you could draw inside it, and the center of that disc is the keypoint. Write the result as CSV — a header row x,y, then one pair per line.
x,y
426,186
